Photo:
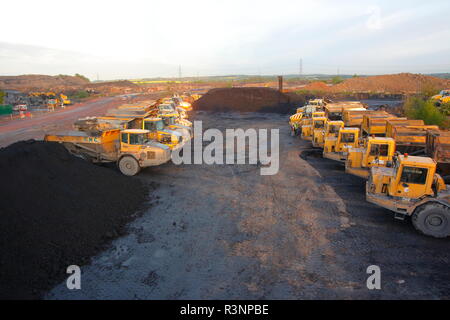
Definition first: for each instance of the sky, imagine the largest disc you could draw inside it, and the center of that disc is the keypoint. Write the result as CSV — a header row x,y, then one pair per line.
x,y
150,38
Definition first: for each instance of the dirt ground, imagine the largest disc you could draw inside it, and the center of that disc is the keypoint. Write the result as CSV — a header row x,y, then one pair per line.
x,y
226,232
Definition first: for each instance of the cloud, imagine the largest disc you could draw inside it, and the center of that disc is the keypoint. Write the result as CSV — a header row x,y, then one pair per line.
x,y
150,38
374,20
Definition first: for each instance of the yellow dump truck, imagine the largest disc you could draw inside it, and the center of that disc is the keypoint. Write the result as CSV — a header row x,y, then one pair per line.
x,y
172,122
410,139
336,148
354,118
307,125
331,131
438,148
375,152
380,151
375,125
318,131
411,187
334,111
157,129
130,149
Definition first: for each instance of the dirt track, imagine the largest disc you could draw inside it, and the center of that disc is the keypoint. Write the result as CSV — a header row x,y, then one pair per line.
x,y
224,231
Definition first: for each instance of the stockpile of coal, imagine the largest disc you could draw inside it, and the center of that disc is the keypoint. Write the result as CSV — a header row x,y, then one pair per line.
x,y
57,210
244,100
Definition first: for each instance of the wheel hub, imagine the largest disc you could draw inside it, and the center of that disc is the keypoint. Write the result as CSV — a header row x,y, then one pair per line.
x,y
435,221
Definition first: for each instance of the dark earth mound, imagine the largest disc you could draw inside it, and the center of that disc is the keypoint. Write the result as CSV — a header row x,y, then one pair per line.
x,y
244,100
56,210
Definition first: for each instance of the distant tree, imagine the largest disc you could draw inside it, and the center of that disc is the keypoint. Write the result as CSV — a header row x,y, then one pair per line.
x,y
428,90
82,77
336,79
418,108
355,76
2,96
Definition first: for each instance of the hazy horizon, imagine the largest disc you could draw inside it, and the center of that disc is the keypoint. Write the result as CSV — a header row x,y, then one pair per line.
x,y
153,39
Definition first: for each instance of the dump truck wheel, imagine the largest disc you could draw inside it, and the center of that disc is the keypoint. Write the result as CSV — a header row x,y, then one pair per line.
x,y
432,220
129,166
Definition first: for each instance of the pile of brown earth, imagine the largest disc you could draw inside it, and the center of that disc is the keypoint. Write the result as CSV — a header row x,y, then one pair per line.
x,y
114,87
244,100
316,86
396,83
37,82
66,84
57,210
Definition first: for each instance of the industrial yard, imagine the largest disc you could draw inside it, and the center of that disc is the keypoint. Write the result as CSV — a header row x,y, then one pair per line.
x,y
201,231
225,158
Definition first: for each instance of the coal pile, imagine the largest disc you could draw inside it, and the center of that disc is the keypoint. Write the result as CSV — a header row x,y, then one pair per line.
x,y
57,210
244,100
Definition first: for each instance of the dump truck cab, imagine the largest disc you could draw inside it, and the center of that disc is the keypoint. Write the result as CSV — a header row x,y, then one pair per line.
x,y
318,131
375,152
172,122
336,148
411,187
158,132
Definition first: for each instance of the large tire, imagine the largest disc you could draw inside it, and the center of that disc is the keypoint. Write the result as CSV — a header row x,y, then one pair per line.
x,y
129,166
432,219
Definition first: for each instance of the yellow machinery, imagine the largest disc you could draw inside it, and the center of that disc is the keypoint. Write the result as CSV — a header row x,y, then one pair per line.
x,y
334,111
318,131
354,118
442,97
64,100
375,125
172,122
158,132
336,148
155,125
411,187
376,152
438,148
131,148
295,123
307,125
410,139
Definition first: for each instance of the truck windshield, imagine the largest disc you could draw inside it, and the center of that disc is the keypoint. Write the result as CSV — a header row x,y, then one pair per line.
x,y
414,175
334,129
348,137
169,121
379,150
154,125
319,124
138,138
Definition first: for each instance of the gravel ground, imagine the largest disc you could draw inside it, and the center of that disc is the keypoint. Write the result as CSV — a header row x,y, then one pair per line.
x,y
226,232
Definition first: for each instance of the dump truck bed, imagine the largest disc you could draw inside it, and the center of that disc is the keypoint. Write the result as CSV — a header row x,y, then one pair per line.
x,y
98,146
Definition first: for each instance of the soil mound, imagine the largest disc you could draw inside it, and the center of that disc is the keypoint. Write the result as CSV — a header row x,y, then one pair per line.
x,y
56,210
244,100
38,82
395,83
316,86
